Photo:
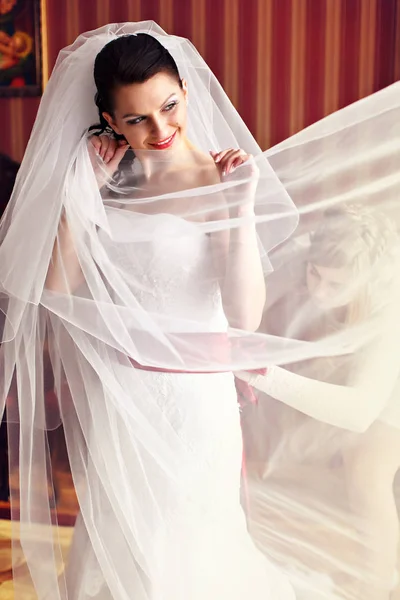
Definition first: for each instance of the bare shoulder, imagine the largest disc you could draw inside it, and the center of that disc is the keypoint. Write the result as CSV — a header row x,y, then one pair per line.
x,y
207,171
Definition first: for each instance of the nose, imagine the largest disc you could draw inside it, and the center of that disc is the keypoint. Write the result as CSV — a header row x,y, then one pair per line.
x,y
158,129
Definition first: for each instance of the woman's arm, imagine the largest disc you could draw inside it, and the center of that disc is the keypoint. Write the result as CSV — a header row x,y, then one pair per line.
x,y
65,274
242,281
353,407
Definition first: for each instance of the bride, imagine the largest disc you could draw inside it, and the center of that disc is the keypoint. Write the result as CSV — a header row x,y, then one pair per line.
x,y
134,300
135,251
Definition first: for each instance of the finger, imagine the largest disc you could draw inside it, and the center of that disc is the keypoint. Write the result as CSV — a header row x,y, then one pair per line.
x,y
236,163
118,156
122,144
112,148
105,141
240,160
230,159
230,154
93,147
220,155
95,142
120,151
224,164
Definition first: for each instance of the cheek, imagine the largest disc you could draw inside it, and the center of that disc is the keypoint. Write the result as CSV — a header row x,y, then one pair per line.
x,y
179,117
133,135
128,132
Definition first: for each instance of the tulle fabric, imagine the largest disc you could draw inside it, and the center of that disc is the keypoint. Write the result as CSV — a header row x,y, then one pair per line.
x,y
149,317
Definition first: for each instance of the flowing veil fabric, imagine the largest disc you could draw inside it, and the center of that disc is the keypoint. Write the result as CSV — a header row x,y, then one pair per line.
x,y
141,347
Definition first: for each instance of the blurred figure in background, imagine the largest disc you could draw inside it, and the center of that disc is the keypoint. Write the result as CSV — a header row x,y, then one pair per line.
x,y
335,408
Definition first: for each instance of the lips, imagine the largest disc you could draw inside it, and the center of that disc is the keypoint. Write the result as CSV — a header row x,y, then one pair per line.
x,y
164,144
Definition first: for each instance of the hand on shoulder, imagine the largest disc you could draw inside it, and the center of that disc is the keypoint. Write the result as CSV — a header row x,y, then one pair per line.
x,y
229,160
106,154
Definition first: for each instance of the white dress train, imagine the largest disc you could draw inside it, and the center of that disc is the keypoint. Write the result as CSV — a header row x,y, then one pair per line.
x,y
207,553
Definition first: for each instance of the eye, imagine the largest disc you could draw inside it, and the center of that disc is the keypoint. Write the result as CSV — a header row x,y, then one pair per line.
x,y
314,273
136,121
170,106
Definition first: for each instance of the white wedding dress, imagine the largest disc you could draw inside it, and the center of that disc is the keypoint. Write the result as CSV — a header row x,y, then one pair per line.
x,y
204,549
156,456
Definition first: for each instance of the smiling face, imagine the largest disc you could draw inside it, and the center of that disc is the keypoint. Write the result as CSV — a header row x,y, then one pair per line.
x,y
151,115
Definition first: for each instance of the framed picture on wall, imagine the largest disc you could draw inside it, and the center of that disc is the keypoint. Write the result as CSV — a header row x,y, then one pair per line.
x,y
20,48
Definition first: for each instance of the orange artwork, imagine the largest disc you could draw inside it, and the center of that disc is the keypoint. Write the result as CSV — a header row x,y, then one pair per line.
x,y
20,60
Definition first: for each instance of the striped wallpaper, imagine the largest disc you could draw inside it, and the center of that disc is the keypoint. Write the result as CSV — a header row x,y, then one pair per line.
x,y
284,63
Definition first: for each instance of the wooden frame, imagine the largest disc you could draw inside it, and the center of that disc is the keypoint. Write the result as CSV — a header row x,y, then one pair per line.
x,y
21,71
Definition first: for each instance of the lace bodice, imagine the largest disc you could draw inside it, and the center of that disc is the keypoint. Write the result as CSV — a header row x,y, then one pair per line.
x,y
172,274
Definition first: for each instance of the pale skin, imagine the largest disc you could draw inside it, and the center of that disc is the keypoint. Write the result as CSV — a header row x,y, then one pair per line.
x,y
152,117
370,464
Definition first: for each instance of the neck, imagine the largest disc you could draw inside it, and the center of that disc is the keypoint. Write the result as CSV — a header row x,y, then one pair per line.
x,y
156,162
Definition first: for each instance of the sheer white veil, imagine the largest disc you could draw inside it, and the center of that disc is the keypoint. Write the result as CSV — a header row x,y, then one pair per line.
x,y
132,472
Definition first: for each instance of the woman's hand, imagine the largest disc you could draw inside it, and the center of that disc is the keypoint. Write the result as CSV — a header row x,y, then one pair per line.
x,y
251,377
110,152
245,376
229,160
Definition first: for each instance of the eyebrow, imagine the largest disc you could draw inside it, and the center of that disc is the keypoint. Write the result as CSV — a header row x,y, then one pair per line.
x,y
130,115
